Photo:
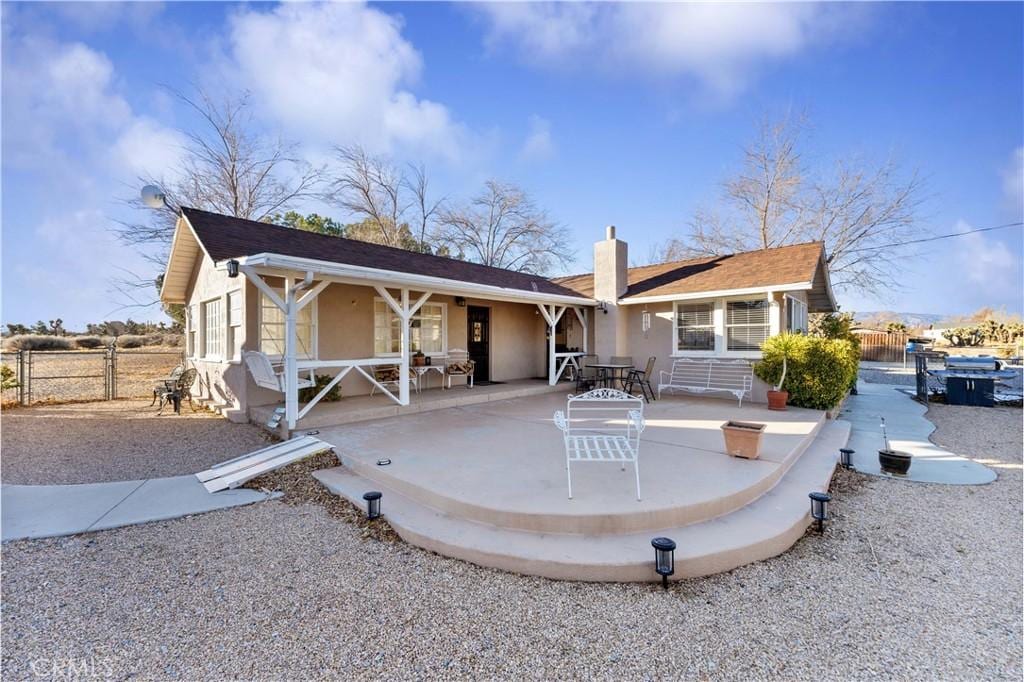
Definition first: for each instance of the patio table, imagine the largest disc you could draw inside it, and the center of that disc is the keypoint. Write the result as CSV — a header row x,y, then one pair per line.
x,y
611,373
421,372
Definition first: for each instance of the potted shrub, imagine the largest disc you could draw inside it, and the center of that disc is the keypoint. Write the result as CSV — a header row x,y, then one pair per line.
x,y
419,359
785,344
743,439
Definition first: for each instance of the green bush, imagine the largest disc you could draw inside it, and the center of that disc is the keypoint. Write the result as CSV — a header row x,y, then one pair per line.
x,y
39,342
89,342
333,395
820,370
7,378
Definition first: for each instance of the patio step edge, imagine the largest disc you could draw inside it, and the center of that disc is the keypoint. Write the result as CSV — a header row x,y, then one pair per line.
x,y
764,528
640,521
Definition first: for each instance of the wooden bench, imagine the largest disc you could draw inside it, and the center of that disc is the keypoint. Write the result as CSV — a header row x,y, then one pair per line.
x,y
706,375
603,425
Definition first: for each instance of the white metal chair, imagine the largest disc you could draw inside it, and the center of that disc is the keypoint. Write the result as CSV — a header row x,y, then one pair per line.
x,y
458,364
265,375
603,425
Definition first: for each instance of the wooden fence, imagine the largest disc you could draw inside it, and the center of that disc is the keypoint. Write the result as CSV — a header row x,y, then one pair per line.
x,y
882,346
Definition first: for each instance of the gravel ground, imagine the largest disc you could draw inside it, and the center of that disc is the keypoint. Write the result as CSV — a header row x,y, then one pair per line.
x,y
121,440
909,580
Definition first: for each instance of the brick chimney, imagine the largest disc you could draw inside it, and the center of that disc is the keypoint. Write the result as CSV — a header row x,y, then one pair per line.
x,y
611,262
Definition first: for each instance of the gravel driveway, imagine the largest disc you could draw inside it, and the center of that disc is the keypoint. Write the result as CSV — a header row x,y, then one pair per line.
x,y
909,581
121,440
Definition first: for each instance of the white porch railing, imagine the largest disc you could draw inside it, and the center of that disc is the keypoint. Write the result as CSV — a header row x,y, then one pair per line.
x,y
344,367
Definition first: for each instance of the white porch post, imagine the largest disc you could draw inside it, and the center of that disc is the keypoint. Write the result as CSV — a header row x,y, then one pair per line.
x,y
581,313
403,379
552,360
291,372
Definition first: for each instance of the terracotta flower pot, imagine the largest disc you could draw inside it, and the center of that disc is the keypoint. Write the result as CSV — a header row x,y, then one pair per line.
x,y
777,400
743,439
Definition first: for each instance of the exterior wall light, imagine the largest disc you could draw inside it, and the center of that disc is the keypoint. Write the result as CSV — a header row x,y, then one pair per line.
x,y
664,558
461,302
819,508
372,504
846,458
232,268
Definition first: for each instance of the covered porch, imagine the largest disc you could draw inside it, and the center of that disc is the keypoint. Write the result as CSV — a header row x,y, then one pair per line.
x,y
366,325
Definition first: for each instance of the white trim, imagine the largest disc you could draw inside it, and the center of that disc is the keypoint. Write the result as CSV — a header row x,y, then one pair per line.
x,y
231,326
719,314
423,302
361,275
205,354
723,293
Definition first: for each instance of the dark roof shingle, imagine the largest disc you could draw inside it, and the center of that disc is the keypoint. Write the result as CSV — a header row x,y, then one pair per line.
x,y
225,237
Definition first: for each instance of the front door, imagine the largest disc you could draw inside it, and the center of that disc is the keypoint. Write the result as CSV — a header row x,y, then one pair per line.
x,y
479,342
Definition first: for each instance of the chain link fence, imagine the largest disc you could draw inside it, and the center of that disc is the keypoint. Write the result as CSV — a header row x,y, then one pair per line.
x,y
69,376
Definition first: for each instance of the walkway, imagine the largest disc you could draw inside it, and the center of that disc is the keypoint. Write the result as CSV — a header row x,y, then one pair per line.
x,y
908,432
41,511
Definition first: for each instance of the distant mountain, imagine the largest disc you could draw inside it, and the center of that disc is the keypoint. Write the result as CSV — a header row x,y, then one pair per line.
x,y
910,319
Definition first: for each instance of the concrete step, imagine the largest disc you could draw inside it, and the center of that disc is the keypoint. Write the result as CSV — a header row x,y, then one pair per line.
x,y
647,517
765,527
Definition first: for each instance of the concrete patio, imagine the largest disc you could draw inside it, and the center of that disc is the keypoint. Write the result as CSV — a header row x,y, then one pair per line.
x,y
486,482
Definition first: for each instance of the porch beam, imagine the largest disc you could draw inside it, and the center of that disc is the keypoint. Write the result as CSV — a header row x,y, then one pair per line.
x,y
376,383
403,379
308,297
261,284
419,303
544,311
389,299
582,315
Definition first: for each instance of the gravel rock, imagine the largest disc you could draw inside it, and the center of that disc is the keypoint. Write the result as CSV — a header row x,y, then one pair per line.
x,y
909,580
121,440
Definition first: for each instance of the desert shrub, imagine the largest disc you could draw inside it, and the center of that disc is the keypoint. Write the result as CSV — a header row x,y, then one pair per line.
x,y
39,342
333,395
820,370
131,341
171,340
89,342
7,378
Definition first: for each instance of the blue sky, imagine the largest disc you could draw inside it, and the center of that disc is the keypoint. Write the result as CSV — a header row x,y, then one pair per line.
x,y
626,115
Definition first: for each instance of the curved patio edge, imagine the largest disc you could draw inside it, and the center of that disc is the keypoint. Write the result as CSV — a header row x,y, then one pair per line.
x,y
42,511
909,430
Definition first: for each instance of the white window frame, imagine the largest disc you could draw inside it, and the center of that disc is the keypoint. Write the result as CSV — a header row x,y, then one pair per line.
x,y
675,328
725,320
720,312
314,352
233,327
794,304
204,342
444,328
192,330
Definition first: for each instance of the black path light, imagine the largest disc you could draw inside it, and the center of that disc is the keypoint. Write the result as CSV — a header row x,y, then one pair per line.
x,y
819,508
846,457
372,504
664,558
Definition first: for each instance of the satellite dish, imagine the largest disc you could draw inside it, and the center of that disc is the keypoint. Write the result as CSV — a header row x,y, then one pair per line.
x,y
153,197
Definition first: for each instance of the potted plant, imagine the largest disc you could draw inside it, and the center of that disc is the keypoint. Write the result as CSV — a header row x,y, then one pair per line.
x,y
419,359
777,397
743,439
892,461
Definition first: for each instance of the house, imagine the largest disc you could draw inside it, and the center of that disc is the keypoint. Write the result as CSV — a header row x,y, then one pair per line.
x,y
315,303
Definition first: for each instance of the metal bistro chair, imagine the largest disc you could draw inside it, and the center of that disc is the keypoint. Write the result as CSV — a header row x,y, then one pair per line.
x,y
162,384
586,378
176,390
641,378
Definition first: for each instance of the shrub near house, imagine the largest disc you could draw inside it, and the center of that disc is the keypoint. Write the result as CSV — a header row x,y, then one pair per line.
x,y
819,370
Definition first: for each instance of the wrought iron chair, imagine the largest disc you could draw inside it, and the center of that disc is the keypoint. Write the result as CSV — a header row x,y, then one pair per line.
x,y
176,390
641,378
162,384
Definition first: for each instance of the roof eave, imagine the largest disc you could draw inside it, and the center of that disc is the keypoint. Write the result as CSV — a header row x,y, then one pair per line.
x,y
180,227
392,278
717,293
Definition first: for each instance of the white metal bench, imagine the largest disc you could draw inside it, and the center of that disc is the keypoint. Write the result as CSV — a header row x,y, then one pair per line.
x,y
706,375
603,425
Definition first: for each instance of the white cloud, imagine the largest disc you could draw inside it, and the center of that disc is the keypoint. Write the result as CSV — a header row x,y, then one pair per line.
x,y
339,73
987,261
1013,181
538,145
718,44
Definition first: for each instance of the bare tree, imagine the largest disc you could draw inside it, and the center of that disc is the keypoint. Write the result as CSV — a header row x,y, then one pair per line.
x,y
387,202
227,168
774,201
502,227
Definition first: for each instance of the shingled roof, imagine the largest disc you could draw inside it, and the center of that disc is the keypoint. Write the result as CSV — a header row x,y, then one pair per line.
x,y
224,237
794,264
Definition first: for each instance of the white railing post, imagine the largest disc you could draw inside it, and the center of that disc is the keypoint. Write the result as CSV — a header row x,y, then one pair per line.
x,y
291,372
403,379
552,367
